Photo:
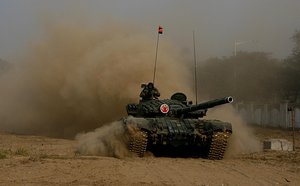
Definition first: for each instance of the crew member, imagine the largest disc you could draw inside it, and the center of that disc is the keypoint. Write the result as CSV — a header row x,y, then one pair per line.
x,y
149,92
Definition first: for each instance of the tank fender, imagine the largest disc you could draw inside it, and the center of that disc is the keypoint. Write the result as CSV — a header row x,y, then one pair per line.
x,y
216,125
140,123
144,126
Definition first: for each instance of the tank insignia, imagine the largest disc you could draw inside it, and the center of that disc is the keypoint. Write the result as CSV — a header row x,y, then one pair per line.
x,y
164,108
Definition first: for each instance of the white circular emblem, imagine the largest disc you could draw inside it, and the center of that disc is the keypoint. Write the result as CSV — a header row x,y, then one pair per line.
x,y
164,108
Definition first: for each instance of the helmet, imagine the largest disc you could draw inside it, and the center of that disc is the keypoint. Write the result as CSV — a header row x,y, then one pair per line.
x,y
150,85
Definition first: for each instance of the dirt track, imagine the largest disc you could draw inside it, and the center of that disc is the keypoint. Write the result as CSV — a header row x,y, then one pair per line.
x,y
34,160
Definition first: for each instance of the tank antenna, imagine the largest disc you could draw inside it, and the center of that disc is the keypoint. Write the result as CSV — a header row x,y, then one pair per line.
x,y
160,31
195,63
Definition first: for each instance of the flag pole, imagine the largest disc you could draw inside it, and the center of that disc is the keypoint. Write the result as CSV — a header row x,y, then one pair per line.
x,y
195,63
158,33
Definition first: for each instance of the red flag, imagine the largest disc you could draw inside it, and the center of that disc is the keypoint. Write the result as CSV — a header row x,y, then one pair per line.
x,y
160,30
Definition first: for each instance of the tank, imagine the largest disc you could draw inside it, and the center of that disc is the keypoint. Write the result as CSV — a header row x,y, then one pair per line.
x,y
175,127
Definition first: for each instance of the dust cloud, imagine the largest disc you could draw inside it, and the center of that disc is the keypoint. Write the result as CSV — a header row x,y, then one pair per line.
x,y
77,78
242,140
109,140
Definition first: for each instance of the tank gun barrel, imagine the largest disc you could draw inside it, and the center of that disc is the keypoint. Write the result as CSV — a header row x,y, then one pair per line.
x,y
205,105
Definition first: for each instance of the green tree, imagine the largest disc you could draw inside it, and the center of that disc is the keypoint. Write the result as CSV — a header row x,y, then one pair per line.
x,y
4,66
296,50
248,76
291,71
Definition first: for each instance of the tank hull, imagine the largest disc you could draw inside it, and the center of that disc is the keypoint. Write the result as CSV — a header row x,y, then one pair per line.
x,y
178,137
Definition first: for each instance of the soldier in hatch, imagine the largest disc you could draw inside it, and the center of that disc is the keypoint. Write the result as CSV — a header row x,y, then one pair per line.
x,y
149,92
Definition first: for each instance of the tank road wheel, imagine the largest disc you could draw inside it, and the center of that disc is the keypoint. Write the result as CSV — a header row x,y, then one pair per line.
x,y
138,142
218,145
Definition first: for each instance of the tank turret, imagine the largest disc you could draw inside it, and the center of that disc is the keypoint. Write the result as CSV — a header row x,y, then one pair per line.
x,y
173,107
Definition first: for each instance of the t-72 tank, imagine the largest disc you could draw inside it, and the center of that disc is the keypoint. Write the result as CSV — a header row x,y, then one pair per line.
x,y
174,126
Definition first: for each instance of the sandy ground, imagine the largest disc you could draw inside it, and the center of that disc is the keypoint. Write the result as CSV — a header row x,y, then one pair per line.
x,y
37,160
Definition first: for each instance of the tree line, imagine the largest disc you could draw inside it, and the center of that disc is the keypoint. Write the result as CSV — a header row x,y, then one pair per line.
x,y
252,76
4,66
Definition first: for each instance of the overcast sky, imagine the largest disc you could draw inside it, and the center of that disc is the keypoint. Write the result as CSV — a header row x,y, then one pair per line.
x,y
217,23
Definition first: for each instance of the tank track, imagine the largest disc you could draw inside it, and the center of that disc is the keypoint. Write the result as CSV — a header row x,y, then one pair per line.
x,y
138,142
218,145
